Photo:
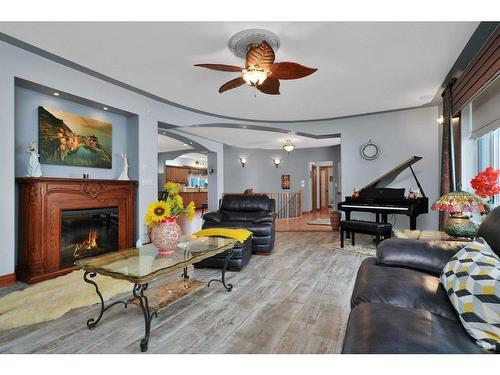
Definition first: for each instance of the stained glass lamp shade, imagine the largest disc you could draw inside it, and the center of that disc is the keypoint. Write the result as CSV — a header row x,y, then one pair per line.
x,y
459,201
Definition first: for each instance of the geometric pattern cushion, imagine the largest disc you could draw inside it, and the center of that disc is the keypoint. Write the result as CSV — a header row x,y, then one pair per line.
x,y
472,280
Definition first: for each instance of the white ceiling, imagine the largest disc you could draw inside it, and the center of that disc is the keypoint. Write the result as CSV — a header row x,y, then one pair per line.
x,y
166,144
195,156
363,67
248,138
189,159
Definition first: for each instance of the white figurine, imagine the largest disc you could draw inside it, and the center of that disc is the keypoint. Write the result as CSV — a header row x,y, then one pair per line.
x,y
34,168
124,175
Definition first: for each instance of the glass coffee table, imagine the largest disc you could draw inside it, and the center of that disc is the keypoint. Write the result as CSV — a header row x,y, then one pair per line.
x,y
144,265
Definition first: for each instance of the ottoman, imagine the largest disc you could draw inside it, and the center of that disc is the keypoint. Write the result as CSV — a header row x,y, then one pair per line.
x,y
241,256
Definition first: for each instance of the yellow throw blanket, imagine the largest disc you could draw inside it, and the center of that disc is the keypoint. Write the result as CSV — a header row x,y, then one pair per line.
x,y
240,235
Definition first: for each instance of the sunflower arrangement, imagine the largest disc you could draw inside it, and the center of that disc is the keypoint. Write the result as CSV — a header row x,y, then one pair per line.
x,y
163,211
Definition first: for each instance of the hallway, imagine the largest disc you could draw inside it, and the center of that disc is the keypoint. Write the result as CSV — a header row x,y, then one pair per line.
x,y
299,224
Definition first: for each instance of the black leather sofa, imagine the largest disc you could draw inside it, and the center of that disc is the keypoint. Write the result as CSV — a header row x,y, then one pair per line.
x,y
252,212
398,304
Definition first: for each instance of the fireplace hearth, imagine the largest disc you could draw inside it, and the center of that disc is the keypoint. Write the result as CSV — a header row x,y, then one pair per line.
x,y
87,233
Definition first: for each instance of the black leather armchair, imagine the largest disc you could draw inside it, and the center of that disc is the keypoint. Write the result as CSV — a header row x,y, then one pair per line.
x,y
398,304
252,212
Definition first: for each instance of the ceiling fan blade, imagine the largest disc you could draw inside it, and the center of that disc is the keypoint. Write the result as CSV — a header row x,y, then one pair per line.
x,y
221,67
270,86
232,84
290,70
262,55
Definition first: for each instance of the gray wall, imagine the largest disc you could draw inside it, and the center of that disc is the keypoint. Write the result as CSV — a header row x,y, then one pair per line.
x,y
26,131
260,173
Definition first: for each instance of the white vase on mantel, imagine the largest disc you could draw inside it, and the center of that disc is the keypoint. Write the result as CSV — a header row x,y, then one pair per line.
x,y
34,168
124,174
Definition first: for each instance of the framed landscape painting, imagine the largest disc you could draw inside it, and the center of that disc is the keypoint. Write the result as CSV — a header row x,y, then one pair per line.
x,y
66,138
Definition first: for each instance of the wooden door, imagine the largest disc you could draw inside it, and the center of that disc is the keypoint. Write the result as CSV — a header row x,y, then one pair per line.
x,y
323,187
314,187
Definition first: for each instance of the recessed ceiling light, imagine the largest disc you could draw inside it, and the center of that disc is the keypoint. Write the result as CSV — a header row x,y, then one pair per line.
x,y
56,94
190,143
185,144
105,108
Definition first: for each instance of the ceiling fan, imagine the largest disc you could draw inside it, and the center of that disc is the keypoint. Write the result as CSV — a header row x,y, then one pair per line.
x,y
260,70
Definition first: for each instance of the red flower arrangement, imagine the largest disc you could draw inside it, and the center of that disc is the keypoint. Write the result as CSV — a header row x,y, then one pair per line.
x,y
485,183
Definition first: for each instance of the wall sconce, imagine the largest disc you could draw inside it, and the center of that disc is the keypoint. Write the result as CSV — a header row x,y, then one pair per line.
x,y
440,120
211,170
243,161
276,162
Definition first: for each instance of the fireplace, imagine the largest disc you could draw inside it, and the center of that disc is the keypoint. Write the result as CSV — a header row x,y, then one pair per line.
x,y
63,219
87,233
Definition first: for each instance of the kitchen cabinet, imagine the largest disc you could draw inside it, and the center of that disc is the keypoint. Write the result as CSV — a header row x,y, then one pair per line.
x,y
198,197
176,174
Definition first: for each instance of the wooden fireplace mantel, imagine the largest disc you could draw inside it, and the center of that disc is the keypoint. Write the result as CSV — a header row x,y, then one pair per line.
x,y
41,201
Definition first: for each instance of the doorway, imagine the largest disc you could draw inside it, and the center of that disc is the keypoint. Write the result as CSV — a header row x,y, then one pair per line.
x,y
322,185
325,180
314,187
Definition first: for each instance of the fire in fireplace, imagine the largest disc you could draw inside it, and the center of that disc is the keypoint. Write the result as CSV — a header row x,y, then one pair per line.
x,y
87,233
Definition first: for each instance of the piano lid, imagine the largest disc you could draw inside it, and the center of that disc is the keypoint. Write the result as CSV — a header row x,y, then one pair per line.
x,y
391,175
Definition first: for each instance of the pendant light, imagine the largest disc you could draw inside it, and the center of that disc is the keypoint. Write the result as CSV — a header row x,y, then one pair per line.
x,y
288,146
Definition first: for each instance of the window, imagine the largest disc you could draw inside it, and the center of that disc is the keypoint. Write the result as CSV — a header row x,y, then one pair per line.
x,y
481,135
197,181
488,154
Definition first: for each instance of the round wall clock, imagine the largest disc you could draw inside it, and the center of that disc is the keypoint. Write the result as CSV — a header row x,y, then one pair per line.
x,y
369,150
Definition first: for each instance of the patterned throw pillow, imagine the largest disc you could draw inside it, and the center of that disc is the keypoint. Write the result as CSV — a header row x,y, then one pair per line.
x,y
472,281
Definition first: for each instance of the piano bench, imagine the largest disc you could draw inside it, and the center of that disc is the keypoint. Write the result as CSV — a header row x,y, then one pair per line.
x,y
365,227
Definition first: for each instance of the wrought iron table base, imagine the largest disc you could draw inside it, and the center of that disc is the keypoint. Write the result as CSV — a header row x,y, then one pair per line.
x,y
138,292
91,323
222,280
147,312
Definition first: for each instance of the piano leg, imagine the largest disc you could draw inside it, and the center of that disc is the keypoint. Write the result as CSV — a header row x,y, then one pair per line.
x,y
348,217
413,222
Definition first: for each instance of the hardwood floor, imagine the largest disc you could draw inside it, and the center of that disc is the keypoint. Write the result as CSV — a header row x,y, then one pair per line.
x,y
299,224
294,301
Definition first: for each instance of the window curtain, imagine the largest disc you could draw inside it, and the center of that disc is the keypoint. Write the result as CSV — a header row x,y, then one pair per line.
x,y
446,150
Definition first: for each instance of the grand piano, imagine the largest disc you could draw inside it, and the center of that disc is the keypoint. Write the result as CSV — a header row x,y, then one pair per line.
x,y
382,201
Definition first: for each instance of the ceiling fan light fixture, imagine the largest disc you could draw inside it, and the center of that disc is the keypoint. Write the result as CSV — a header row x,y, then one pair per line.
x,y
288,146
261,70
254,76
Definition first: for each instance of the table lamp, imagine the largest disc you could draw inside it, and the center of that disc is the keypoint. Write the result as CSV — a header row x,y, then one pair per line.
x,y
456,203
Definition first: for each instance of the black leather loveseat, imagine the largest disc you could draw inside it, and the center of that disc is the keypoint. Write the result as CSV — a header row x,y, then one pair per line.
x,y
252,212
398,304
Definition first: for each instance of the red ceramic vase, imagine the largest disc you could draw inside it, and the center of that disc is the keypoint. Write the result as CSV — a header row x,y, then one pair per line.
x,y
166,236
